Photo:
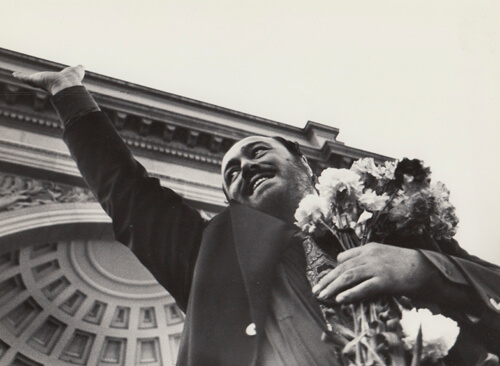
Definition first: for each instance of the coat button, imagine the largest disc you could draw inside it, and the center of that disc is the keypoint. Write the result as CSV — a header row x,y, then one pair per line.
x,y
251,331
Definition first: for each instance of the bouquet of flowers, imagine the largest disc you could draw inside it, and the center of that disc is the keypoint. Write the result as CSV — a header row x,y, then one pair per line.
x,y
366,203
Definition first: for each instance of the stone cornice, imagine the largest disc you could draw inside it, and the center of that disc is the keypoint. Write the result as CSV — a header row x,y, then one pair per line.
x,y
99,83
332,149
164,121
132,139
17,114
156,146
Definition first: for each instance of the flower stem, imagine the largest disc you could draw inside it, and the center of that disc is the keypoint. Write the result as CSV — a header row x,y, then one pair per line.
x,y
334,233
373,352
359,358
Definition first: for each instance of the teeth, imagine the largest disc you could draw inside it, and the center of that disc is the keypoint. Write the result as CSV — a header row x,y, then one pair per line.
x,y
258,182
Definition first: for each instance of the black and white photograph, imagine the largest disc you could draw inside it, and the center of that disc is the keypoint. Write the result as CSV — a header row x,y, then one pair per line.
x,y
262,183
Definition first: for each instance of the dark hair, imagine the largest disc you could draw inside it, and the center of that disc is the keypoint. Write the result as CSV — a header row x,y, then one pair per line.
x,y
292,146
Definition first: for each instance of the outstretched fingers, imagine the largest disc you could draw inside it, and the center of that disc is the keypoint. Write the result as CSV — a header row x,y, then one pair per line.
x,y
77,71
26,78
351,253
364,290
340,279
347,262
53,82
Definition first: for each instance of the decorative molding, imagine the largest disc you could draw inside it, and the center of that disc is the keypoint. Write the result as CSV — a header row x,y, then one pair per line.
x,y
139,140
50,215
331,149
41,100
145,143
19,192
34,118
11,93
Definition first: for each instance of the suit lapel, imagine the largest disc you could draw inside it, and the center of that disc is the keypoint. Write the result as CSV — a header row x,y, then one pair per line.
x,y
260,240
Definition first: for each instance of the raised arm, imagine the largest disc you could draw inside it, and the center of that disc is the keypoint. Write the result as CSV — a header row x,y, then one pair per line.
x,y
163,232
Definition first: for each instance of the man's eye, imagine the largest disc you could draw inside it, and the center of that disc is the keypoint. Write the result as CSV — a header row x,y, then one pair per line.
x,y
231,175
258,151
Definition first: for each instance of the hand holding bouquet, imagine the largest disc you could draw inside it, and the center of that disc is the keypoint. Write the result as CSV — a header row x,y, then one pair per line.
x,y
366,203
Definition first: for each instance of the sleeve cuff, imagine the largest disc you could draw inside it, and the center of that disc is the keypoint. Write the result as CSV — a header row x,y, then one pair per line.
x,y
445,266
73,102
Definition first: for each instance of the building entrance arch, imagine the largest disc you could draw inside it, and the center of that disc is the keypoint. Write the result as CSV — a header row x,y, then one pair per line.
x,y
70,294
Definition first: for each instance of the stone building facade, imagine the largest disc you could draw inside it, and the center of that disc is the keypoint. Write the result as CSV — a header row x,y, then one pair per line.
x,y
69,294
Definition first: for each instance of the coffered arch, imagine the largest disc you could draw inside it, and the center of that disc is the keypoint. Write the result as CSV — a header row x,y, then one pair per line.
x,y
69,294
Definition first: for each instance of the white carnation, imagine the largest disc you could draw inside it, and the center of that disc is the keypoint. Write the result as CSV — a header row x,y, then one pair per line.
x,y
372,201
312,209
366,165
388,170
381,172
439,333
334,180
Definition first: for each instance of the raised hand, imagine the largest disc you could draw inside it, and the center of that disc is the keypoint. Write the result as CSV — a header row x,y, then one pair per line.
x,y
53,82
375,269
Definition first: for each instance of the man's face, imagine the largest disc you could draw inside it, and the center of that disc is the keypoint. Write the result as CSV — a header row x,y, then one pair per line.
x,y
261,173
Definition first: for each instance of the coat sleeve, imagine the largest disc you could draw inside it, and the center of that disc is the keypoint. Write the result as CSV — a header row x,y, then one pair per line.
x,y
457,266
153,221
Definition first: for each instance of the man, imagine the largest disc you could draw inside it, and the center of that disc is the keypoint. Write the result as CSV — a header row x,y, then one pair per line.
x,y
240,277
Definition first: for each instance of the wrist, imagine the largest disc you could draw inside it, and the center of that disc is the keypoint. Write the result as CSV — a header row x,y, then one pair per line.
x,y
428,280
63,83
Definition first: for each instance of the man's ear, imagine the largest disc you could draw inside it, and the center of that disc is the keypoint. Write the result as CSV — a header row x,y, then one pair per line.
x,y
305,163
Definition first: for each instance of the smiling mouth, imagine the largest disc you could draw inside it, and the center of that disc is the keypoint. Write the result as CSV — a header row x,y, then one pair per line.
x,y
257,183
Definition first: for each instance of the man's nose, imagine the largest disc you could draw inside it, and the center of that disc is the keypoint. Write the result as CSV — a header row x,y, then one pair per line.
x,y
248,168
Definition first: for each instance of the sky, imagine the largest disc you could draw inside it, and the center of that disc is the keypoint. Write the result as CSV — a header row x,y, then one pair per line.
x,y
417,79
